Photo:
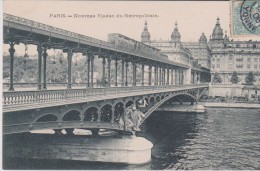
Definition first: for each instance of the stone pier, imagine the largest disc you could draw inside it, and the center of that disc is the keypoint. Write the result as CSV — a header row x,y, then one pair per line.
x,y
129,150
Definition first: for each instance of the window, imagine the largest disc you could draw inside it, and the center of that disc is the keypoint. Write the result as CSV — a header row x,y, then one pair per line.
x,y
230,66
237,45
255,66
254,45
218,65
218,59
213,59
248,66
213,66
248,59
255,60
230,57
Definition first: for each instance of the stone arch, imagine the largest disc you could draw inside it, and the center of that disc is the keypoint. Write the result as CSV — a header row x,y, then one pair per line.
x,y
106,113
72,115
47,118
119,111
91,114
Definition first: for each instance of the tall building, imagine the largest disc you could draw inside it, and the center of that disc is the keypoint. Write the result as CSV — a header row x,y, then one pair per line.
x,y
174,49
200,51
229,56
193,54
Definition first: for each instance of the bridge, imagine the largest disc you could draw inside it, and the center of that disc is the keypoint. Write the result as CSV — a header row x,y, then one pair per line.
x,y
90,107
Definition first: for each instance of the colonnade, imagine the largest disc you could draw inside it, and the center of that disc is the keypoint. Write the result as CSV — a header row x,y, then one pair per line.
x,y
164,74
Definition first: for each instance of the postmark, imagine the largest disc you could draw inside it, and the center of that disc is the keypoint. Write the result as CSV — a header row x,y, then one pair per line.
x,y
245,17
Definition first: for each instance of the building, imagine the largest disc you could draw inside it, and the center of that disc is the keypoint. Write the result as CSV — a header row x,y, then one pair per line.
x,y
174,49
181,53
200,51
229,56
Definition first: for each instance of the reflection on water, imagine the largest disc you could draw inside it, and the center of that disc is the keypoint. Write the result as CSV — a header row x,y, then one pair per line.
x,y
218,139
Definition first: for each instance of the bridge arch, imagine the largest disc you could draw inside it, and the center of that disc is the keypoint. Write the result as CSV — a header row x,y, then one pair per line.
x,y
106,113
91,114
48,117
72,115
119,111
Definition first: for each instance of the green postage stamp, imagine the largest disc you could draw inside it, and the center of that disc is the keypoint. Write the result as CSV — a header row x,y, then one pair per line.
x,y
245,17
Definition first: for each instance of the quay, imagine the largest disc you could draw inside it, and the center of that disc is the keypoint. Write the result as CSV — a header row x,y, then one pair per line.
x,y
181,108
230,105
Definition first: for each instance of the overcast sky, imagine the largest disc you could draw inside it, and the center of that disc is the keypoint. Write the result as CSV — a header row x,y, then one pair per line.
x,y
193,17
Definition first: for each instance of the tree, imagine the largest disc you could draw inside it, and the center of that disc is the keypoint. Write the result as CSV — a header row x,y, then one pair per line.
x,y
234,78
250,78
216,78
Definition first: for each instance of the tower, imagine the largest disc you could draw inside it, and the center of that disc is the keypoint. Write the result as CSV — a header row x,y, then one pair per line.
x,y
218,31
145,37
176,36
203,39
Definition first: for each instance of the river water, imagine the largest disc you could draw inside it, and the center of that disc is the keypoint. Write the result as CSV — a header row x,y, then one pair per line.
x,y
218,139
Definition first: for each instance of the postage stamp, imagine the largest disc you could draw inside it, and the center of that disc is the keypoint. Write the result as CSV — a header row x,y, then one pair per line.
x,y
245,17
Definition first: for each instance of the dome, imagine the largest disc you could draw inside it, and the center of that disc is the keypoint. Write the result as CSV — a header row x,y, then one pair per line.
x,y
203,38
176,36
217,32
145,36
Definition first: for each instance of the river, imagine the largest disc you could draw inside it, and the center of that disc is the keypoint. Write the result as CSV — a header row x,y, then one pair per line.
x,y
218,139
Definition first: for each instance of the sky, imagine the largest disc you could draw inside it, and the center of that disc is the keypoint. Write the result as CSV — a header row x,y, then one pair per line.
x,y
193,17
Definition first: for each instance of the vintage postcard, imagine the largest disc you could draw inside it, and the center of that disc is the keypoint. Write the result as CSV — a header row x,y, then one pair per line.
x,y
124,85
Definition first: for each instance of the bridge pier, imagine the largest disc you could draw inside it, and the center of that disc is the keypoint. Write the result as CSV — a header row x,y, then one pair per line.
x,y
128,150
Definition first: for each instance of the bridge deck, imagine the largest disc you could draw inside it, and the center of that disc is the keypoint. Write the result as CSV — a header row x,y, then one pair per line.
x,y
15,101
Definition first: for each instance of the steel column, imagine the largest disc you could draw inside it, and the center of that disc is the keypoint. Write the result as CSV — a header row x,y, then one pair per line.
x,y
70,54
109,64
39,49
116,72
172,76
92,70
155,73
104,71
44,67
168,76
123,70
11,51
126,71
150,75
88,71
142,74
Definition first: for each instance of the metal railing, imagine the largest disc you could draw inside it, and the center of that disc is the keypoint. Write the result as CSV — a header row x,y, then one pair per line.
x,y
41,96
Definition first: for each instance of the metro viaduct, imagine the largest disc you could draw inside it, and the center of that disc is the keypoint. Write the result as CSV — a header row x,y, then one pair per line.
x,y
91,107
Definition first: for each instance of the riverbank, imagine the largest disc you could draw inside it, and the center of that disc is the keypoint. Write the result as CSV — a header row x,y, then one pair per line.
x,y
230,105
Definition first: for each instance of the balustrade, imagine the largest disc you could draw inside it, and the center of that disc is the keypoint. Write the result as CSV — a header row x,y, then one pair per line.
x,y
30,97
